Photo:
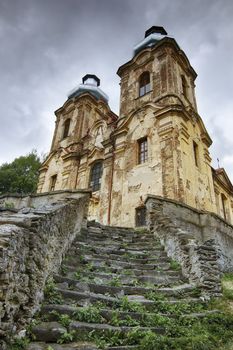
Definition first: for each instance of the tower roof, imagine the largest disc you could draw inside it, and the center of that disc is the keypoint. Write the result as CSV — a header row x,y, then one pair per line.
x,y
152,36
90,83
91,77
155,29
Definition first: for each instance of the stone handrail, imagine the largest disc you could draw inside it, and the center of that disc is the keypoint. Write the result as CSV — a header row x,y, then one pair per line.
x,y
198,258
32,245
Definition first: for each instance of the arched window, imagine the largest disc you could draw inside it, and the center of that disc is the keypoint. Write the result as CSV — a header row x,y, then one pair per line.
x,y
144,83
66,128
95,176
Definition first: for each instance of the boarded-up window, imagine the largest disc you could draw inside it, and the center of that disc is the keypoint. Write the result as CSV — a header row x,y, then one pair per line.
x,y
141,216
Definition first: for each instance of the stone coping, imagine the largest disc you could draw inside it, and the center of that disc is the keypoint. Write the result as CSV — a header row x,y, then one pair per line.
x,y
184,205
19,195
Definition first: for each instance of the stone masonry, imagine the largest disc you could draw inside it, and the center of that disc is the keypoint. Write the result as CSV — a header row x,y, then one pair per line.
x,y
33,242
116,286
189,238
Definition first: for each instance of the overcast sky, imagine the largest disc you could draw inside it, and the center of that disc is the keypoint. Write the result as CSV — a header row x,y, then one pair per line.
x,y
48,45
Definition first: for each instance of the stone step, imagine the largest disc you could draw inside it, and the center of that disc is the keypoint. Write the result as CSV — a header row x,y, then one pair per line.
x,y
117,233
114,265
73,260
52,331
124,274
87,298
102,288
51,311
55,346
116,249
152,277
88,327
126,258
129,347
118,245
117,238
117,254
48,331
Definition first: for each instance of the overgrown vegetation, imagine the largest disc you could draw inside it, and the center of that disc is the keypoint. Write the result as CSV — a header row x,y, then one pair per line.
x,y
51,294
180,325
21,175
174,265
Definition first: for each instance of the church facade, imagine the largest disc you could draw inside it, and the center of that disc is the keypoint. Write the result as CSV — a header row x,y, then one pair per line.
x,y
158,145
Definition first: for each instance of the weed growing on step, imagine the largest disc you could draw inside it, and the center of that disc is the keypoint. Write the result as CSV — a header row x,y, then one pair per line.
x,y
227,277
126,305
89,314
51,294
115,318
129,322
155,296
174,265
152,341
156,320
66,337
63,270
142,230
65,320
115,282
99,341
19,343
89,267
78,274
177,309
127,272
82,259
227,286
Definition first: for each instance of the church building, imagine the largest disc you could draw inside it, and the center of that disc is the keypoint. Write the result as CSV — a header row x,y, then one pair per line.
x,y
158,145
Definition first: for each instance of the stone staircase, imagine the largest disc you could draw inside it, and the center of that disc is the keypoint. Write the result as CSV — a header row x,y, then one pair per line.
x,y
117,290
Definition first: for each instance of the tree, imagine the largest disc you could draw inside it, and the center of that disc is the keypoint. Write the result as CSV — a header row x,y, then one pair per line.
x,y
21,175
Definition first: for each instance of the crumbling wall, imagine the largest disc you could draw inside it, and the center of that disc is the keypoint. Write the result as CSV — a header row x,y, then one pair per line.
x,y
197,240
32,245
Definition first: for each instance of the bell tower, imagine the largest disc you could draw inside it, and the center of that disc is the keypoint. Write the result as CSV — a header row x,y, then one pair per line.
x,y
158,70
158,107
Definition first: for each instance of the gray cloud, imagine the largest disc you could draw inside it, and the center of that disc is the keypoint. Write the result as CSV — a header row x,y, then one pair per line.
x,y
48,45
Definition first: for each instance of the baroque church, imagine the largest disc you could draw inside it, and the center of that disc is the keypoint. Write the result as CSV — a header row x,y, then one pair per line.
x,y
158,145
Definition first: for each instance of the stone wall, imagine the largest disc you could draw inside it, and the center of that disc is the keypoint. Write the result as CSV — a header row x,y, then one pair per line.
x,y
202,242
18,201
33,242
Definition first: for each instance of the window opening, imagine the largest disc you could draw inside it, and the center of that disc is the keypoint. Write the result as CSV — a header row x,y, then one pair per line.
x,y
142,151
144,83
195,152
53,182
184,86
96,173
141,216
66,128
223,198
